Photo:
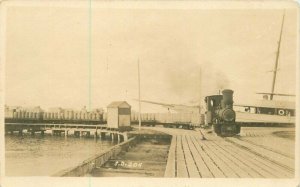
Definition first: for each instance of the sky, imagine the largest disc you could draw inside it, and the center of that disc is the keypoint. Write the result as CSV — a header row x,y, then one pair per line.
x,y
55,56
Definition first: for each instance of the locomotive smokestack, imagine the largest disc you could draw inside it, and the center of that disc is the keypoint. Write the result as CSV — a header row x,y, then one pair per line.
x,y
227,101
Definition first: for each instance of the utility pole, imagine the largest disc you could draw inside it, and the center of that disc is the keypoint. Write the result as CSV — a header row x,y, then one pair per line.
x,y
139,95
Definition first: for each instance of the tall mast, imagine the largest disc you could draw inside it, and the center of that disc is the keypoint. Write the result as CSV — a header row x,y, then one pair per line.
x,y
276,62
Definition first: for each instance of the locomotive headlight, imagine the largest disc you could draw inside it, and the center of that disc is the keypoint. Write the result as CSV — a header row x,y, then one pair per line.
x,y
228,115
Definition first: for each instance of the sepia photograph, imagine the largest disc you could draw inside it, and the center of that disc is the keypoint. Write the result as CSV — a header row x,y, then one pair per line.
x,y
169,92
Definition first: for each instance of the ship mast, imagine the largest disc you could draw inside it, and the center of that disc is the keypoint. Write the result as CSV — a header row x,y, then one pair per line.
x,y
276,62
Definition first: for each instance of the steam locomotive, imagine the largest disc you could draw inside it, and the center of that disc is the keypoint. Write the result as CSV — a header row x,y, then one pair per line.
x,y
220,114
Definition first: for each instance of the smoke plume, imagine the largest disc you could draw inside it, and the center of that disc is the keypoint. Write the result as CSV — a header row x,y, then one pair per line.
x,y
191,81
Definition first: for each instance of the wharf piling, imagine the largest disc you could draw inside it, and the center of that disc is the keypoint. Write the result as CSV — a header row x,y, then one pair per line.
x,y
68,129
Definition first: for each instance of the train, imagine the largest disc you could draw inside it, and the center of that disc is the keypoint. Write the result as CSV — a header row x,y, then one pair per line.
x,y
220,114
169,120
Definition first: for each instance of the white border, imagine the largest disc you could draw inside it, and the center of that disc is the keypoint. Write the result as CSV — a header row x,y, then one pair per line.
x,y
89,182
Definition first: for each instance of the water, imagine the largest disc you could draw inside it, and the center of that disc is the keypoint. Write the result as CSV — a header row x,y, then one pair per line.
x,y
45,155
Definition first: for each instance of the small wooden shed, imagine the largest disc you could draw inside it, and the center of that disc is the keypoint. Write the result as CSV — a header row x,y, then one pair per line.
x,y
118,114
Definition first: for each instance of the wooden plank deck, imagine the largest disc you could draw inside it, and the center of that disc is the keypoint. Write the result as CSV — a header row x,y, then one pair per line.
x,y
191,157
170,168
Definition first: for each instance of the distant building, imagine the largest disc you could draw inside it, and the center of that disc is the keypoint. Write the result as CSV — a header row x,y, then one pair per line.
x,y
118,114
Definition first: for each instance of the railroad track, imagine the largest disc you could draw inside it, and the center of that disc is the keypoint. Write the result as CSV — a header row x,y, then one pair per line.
x,y
264,147
277,158
270,157
200,154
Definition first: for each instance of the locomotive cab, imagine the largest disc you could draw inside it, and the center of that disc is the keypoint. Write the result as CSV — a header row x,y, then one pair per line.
x,y
212,104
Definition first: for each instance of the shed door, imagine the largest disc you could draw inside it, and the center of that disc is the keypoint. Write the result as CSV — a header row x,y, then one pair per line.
x,y
124,120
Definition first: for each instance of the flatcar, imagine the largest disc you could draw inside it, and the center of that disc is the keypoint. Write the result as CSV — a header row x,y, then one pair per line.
x,y
220,114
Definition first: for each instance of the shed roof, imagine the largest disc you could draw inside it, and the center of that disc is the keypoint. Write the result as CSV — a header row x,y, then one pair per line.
x,y
119,104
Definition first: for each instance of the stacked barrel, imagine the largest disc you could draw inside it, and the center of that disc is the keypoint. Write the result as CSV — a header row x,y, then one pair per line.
x,y
74,115
53,114
58,115
23,114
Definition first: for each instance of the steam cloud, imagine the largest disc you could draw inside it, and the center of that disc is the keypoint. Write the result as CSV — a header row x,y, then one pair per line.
x,y
191,81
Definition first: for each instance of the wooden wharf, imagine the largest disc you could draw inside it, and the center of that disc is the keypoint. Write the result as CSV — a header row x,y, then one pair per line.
x,y
77,130
191,156
256,153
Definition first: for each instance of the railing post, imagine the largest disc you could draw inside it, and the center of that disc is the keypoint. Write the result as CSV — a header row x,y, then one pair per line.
x,y
125,137
96,134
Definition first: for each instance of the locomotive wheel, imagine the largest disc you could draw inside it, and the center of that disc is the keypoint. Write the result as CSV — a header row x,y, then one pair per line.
x,y
230,130
217,128
238,127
